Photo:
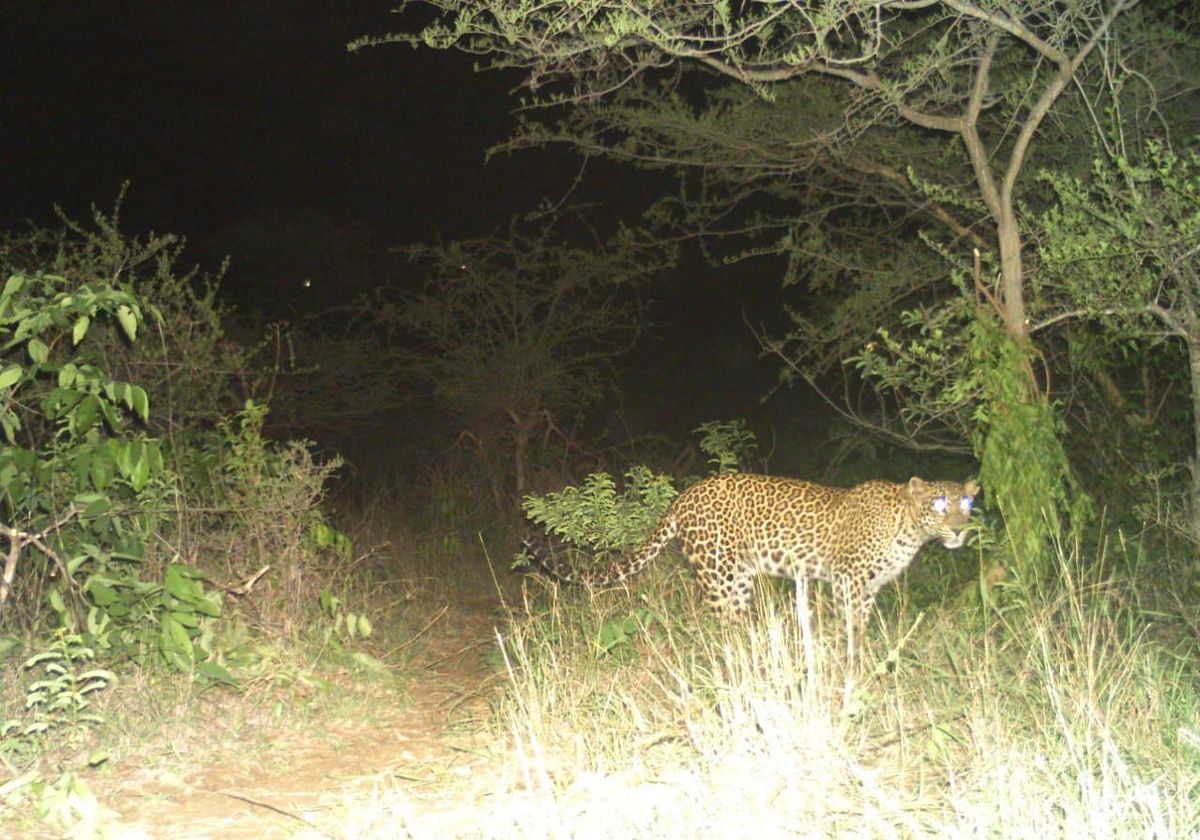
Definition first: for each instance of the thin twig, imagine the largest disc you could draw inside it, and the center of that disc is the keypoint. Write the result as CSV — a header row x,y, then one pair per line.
x,y
18,539
268,806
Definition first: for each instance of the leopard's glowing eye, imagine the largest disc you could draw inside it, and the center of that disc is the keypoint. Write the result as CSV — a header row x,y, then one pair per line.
x,y
940,504
966,504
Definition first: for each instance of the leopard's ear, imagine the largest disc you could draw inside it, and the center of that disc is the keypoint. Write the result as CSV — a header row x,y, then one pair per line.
x,y
917,494
971,488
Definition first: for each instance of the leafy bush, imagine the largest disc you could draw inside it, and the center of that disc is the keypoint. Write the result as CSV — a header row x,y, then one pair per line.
x,y
955,367
125,501
1119,279
254,517
728,443
72,464
191,371
89,485
57,710
57,702
596,516
85,488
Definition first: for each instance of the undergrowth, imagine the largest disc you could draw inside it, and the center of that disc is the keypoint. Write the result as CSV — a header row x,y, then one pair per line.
x,y
634,713
157,545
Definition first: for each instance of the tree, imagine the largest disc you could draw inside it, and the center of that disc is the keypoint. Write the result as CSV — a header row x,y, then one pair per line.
x,y
949,66
877,82
514,334
1120,255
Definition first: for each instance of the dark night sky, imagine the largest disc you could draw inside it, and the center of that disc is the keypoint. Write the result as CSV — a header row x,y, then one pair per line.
x,y
220,111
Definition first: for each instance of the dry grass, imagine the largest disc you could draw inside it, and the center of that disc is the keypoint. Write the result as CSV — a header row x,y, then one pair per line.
x,y
1060,721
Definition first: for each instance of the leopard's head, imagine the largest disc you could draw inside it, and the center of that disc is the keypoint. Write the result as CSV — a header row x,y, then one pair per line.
x,y
942,509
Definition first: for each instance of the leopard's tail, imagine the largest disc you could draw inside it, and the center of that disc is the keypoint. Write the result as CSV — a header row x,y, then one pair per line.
x,y
550,553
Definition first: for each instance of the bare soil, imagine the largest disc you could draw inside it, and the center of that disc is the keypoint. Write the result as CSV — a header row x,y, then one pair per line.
x,y
429,743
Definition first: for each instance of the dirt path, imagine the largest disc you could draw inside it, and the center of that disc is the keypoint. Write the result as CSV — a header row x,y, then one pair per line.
x,y
430,750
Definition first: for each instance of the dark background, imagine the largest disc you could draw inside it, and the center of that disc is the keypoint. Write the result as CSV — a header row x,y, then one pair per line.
x,y
222,113
218,109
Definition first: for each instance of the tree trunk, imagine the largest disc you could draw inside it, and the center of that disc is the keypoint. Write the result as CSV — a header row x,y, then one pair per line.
x,y
1012,274
1193,343
525,424
519,450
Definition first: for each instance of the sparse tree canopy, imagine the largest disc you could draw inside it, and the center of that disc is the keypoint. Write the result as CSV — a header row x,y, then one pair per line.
x,y
516,334
986,75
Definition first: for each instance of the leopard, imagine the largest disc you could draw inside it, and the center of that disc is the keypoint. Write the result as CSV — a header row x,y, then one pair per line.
x,y
734,527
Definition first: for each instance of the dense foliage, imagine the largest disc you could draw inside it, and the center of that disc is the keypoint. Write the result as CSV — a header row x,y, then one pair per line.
x,y
122,452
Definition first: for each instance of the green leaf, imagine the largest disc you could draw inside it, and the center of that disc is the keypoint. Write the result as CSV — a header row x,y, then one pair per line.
x,y
129,321
207,606
185,584
103,594
97,675
38,351
85,413
10,424
81,328
177,644
93,504
13,285
110,416
129,547
140,474
154,450
102,470
320,533
127,455
98,621
212,672
11,375
190,572
60,400
185,617
139,402
7,473
178,585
